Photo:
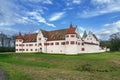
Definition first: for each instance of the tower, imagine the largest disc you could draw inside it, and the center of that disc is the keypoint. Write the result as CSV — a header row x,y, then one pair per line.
x,y
19,43
71,40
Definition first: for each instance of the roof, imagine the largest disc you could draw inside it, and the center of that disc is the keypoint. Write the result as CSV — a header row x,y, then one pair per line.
x,y
84,35
95,37
50,35
57,34
30,37
19,36
71,30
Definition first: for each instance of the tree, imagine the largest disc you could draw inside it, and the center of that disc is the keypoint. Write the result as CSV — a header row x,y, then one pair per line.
x,y
115,42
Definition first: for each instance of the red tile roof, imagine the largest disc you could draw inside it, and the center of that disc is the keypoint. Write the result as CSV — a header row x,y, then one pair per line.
x,y
71,30
19,36
50,35
30,37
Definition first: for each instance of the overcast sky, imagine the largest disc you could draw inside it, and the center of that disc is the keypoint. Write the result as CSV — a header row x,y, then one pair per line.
x,y
102,17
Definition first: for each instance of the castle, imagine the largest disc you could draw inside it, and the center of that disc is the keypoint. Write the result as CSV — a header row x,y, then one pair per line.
x,y
63,41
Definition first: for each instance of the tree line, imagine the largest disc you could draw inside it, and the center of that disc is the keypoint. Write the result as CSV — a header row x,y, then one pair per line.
x,y
7,42
113,43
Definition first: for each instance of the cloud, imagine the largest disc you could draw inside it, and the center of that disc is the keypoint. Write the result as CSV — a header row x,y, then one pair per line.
x,y
56,16
39,18
41,1
8,30
109,29
101,7
76,1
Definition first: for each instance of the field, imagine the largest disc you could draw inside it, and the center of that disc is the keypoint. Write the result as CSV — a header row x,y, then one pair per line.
x,y
38,66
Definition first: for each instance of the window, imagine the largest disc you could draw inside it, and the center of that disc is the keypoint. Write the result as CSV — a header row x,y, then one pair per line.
x,y
62,43
83,44
39,38
39,44
51,43
16,49
20,49
67,35
16,44
57,43
20,44
20,40
26,49
67,42
83,49
31,49
30,44
78,43
72,42
35,49
35,44
26,44
45,44
72,36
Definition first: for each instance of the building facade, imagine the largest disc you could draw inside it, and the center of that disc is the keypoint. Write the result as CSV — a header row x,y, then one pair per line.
x,y
63,41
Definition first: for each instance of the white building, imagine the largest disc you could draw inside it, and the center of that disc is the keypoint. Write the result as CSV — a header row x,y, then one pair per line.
x,y
63,41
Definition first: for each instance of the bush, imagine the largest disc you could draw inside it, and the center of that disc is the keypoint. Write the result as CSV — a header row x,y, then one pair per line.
x,y
7,49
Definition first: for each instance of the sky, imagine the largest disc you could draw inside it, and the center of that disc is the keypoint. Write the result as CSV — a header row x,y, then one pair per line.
x,y
102,17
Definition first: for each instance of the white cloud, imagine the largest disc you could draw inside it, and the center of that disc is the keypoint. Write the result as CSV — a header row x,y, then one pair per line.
x,y
40,19
8,30
101,7
82,28
41,1
76,1
56,16
109,29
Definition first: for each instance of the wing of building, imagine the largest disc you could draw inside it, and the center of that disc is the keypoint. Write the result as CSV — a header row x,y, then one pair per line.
x,y
63,41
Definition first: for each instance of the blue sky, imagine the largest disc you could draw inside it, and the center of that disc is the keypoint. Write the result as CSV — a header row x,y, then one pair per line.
x,y
102,17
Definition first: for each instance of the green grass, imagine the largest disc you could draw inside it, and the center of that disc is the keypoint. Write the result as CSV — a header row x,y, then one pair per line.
x,y
35,66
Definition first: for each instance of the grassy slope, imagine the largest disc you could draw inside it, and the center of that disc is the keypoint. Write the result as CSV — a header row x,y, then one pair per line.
x,y
105,66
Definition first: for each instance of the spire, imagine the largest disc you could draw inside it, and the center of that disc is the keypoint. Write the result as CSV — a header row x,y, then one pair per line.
x,y
71,30
19,36
84,34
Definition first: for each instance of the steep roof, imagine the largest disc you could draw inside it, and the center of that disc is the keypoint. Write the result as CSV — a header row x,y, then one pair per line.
x,y
95,37
90,33
71,30
30,37
19,36
84,35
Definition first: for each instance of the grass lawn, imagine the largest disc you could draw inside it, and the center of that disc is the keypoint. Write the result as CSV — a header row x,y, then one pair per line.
x,y
37,66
